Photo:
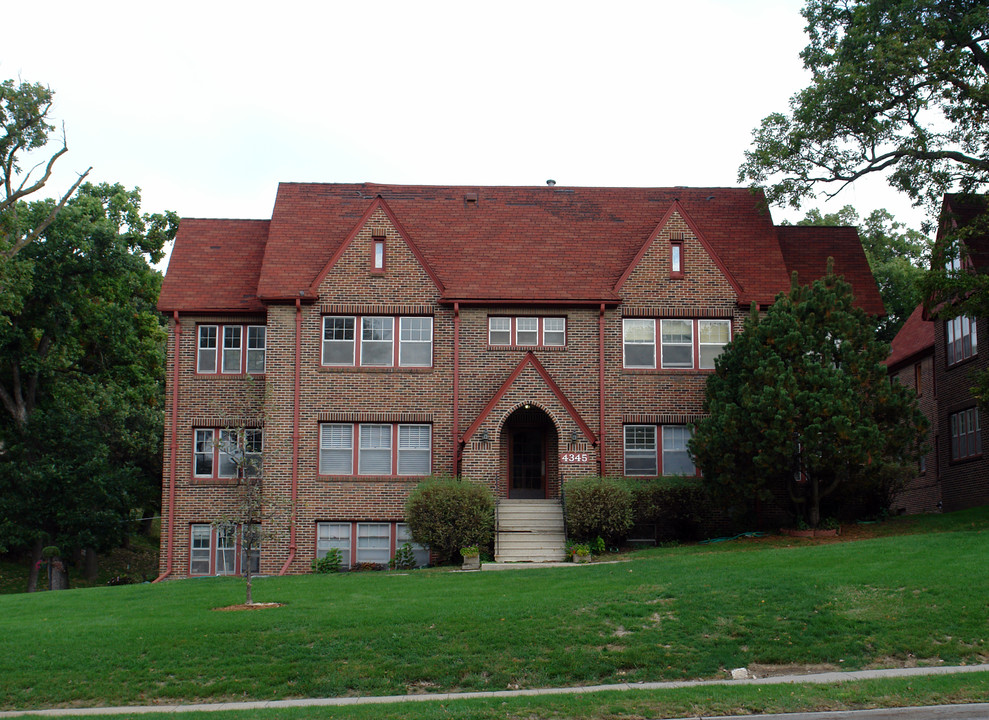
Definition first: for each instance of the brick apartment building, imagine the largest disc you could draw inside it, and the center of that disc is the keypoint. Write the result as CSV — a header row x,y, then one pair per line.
x,y
939,358
369,335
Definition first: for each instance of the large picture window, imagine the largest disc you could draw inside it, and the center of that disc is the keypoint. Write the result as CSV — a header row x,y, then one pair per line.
x,y
222,349
374,345
219,550
391,449
684,344
367,542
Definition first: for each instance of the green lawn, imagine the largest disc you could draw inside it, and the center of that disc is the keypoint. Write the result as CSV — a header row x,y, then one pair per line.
x,y
691,612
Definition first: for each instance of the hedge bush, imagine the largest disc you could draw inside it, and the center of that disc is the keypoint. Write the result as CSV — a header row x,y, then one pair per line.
x,y
673,506
598,507
448,514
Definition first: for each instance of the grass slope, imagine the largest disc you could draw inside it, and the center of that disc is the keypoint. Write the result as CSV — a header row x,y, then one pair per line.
x,y
670,614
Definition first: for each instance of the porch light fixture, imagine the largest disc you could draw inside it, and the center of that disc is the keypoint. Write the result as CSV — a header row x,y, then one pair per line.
x,y
526,406
483,436
573,437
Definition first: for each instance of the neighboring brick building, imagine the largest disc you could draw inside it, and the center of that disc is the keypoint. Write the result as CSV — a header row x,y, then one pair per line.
x,y
368,335
956,467
911,362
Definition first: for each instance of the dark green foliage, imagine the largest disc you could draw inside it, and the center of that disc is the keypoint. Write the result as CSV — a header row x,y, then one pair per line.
x,y
898,87
405,558
598,507
800,403
329,563
448,514
82,372
673,506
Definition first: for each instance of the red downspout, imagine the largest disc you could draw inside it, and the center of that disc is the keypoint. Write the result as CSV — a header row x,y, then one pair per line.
x,y
456,387
295,434
173,450
601,388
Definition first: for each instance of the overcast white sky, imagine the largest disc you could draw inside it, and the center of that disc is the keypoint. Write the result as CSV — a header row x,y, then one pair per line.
x,y
207,105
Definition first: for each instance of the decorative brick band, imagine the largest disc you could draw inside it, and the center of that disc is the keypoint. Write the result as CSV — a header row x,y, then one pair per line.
x,y
370,417
218,421
390,309
669,311
254,319
662,419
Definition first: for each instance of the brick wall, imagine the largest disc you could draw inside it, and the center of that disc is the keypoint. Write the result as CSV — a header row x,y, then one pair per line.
x,y
922,493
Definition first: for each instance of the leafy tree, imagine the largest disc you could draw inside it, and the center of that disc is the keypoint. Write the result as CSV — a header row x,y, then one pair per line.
x,y
24,114
81,372
801,401
897,256
899,87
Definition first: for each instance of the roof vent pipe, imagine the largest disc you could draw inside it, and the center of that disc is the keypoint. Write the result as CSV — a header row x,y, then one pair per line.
x,y
551,183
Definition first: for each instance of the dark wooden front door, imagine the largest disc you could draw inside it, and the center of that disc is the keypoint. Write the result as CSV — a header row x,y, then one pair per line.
x,y
528,464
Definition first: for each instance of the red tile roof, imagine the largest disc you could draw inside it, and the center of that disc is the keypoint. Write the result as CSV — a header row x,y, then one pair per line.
x,y
806,249
527,244
959,210
215,266
916,336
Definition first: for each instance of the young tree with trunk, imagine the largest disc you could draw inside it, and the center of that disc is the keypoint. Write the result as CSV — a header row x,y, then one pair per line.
x,y
800,403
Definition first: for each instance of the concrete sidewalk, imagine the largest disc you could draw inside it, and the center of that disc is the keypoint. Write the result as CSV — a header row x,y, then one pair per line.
x,y
819,678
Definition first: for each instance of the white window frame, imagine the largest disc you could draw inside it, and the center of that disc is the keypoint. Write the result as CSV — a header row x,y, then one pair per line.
x,y
701,344
225,554
383,325
561,331
233,348
527,321
371,449
679,344
341,341
334,535
643,324
329,444
368,543
672,434
414,331
206,346
204,438
504,325
413,442
638,449
255,348
202,553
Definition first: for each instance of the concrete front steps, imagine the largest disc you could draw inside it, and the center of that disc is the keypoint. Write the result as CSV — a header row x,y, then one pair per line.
x,y
529,531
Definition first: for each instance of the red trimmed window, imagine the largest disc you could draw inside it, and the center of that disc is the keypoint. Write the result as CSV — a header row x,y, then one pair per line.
x,y
645,456
378,255
379,449
527,331
218,551
962,342
684,344
225,453
966,435
374,345
360,542
676,258
230,349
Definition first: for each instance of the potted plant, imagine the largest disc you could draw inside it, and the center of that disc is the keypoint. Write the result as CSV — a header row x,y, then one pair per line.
x,y
472,557
580,553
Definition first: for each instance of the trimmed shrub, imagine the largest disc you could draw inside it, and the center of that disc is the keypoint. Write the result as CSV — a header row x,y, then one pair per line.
x,y
598,507
329,563
447,514
673,507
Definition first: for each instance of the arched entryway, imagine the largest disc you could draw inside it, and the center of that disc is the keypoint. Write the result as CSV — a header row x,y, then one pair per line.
x,y
530,454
